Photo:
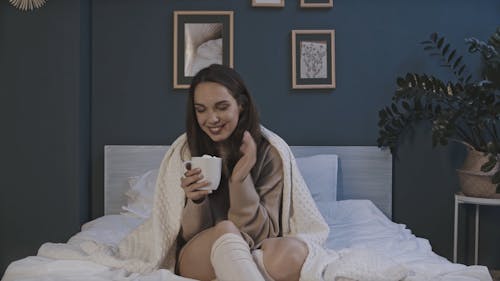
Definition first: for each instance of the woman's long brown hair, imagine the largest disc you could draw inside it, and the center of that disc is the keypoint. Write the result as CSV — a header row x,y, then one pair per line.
x,y
199,142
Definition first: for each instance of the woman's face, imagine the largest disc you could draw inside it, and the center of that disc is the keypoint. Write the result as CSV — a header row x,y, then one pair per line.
x,y
217,112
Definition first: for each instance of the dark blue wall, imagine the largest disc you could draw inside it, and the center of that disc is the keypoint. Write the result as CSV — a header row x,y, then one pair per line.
x,y
131,98
44,93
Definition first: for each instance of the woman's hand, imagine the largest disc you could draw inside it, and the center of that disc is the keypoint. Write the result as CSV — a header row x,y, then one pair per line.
x,y
191,182
243,167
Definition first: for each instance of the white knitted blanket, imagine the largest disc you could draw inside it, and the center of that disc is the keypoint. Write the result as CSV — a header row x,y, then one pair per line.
x,y
153,244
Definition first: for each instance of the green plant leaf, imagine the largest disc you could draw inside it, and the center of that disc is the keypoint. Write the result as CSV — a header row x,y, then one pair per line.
x,y
495,38
440,42
468,79
445,49
488,166
457,62
461,70
409,79
415,78
389,112
401,82
496,178
434,36
389,129
382,114
395,109
452,54
406,105
417,105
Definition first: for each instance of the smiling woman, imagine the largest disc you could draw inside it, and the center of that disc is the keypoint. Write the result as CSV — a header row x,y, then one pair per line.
x,y
224,231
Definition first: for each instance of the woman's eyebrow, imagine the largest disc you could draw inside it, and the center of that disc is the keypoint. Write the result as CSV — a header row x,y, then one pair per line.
x,y
221,102
217,103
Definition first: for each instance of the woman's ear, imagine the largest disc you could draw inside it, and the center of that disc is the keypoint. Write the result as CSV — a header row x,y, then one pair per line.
x,y
240,107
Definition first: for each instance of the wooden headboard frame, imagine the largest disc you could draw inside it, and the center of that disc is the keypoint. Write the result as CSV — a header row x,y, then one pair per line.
x,y
364,172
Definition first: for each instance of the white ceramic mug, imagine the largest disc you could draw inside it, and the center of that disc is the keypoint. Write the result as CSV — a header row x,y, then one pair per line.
x,y
211,168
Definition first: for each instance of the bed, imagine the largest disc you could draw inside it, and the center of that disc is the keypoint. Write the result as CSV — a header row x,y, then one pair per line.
x,y
351,185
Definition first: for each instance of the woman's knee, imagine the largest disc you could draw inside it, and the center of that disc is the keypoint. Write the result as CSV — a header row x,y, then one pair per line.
x,y
284,257
224,227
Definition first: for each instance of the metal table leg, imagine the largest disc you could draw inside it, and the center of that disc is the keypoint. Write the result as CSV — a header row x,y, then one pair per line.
x,y
476,242
455,234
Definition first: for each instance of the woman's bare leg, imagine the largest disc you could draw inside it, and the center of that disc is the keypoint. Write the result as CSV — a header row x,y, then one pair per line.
x,y
194,258
283,257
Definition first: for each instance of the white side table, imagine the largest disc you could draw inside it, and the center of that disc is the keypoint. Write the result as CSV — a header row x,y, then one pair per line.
x,y
460,198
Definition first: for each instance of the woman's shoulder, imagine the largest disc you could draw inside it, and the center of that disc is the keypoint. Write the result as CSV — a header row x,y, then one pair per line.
x,y
267,152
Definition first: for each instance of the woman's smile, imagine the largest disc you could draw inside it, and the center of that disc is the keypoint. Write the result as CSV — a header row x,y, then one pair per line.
x,y
216,129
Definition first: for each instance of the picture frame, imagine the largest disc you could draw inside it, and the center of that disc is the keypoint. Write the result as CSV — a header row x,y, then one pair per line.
x,y
313,59
268,3
201,38
316,3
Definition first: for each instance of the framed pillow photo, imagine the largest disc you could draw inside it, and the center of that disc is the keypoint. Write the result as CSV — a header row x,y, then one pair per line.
x,y
316,3
201,38
313,59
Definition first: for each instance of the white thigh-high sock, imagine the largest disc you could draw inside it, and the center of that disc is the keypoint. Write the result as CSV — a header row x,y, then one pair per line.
x,y
259,260
232,260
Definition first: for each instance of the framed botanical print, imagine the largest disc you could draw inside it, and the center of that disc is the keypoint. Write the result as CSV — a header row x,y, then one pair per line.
x,y
268,3
313,59
201,38
316,3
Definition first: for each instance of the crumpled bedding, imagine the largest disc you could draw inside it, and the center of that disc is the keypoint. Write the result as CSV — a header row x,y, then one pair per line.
x,y
354,224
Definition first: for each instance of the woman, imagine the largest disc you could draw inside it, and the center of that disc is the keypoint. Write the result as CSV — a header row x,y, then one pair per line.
x,y
220,229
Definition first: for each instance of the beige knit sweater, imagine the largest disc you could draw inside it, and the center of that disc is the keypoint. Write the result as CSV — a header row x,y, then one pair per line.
x,y
252,205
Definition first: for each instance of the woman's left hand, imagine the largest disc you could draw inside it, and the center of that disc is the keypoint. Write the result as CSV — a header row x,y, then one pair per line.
x,y
248,149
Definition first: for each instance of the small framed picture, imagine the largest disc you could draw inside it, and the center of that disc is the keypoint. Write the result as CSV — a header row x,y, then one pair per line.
x,y
268,3
313,59
201,38
316,3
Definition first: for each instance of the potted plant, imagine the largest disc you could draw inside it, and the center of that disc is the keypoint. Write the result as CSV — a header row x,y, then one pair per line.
x,y
466,110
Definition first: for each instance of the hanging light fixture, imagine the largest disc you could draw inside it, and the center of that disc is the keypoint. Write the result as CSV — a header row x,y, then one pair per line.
x,y
27,4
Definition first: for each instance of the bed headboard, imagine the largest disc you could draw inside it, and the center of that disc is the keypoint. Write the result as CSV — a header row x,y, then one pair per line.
x,y
364,172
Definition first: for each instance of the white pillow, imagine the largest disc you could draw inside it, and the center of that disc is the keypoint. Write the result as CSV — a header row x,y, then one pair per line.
x,y
320,173
141,193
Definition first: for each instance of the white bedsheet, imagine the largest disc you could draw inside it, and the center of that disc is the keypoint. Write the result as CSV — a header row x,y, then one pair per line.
x,y
359,224
355,224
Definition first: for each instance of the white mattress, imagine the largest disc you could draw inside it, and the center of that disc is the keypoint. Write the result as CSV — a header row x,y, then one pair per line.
x,y
353,223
